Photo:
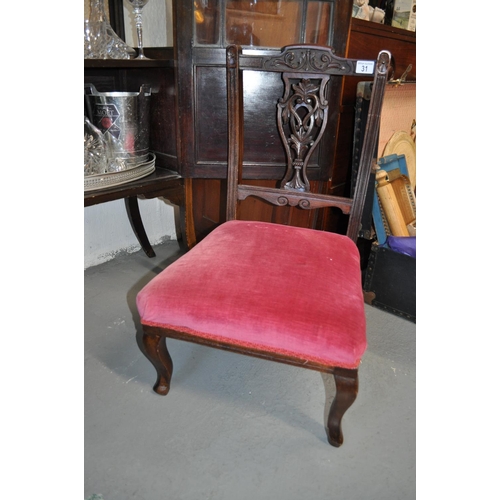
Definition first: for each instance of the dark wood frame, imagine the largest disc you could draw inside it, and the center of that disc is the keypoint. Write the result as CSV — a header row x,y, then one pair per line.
x,y
116,18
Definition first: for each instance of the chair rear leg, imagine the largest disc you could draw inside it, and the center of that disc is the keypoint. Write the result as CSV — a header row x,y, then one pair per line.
x,y
346,382
155,349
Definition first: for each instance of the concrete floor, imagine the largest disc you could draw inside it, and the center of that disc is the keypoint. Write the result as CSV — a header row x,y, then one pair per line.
x,y
235,427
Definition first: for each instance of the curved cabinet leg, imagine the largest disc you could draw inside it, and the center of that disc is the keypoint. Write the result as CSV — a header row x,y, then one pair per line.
x,y
156,351
134,216
346,382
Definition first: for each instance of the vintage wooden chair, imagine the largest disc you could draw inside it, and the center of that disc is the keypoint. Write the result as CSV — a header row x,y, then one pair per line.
x,y
278,292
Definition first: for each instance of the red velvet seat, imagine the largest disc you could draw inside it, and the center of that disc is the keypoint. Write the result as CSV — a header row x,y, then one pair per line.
x,y
229,289
278,292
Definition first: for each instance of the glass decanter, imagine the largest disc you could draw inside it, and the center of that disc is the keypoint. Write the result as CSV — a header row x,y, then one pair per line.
x,y
95,150
100,40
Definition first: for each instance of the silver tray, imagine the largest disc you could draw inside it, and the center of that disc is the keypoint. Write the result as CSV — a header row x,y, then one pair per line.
x,y
101,181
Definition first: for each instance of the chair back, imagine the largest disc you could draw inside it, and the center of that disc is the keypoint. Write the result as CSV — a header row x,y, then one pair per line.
x,y
302,114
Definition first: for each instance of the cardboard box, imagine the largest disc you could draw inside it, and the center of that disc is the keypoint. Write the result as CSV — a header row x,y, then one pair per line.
x,y
404,10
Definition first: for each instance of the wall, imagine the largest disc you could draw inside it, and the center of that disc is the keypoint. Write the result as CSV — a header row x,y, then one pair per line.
x,y
107,231
157,25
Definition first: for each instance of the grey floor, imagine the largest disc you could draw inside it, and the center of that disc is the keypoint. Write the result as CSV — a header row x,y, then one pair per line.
x,y
235,427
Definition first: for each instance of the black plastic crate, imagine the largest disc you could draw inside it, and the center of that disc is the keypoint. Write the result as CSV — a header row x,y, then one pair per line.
x,y
390,282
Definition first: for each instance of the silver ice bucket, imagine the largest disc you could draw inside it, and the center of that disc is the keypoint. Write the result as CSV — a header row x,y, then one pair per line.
x,y
123,118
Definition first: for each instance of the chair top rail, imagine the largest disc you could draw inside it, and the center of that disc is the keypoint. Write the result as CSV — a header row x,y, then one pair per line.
x,y
307,58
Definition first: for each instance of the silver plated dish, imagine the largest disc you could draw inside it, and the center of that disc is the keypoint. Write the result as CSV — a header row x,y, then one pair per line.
x,y
101,181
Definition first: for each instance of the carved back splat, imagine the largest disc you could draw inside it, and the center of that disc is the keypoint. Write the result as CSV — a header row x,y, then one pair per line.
x,y
302,117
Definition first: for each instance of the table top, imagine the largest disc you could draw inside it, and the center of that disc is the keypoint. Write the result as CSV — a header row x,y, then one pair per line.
x,y
160,179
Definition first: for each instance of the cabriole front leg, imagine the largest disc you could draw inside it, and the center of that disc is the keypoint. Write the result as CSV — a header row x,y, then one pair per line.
x,y
155,349
346,382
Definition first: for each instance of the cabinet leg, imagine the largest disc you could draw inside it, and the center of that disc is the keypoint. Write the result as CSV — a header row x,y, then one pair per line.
x,y
134,216
187,217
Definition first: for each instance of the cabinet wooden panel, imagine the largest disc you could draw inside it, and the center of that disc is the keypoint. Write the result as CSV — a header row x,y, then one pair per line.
x,y
264,153
209,207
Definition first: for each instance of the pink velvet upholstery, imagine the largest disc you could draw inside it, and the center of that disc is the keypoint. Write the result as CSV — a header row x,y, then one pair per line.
x,y
283,289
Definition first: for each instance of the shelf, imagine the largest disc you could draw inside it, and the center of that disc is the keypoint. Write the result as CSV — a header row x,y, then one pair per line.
x,y
368,38
382,30
160,180
161,57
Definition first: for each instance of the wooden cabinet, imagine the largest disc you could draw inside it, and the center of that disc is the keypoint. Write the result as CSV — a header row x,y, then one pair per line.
x,y
201,36
367,39
202,31
189,122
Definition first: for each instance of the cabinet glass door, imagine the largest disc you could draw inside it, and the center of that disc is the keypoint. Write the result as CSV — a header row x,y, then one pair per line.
x,y
263,23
